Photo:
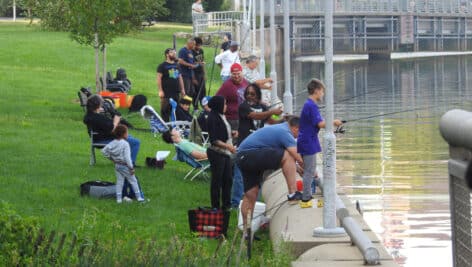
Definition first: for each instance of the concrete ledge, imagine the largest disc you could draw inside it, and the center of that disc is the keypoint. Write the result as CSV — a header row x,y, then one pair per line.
x,y
389,263
339,252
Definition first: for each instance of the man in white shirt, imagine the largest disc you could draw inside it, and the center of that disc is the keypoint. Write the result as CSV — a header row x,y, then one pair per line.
x,y
252,75
226,59
197,7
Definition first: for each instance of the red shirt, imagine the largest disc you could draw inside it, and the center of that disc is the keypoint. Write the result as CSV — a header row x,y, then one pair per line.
x,y
234,95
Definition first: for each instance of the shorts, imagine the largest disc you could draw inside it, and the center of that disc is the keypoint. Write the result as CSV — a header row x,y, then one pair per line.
x,y
253,163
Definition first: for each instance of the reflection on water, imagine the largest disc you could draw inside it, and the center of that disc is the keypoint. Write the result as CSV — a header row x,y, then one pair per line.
x,y
396,165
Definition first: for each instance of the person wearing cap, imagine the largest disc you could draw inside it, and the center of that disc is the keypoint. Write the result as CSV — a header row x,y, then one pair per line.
x,y
182,112
226,42
199,73
187,65
233,91
228,58
169,82
202,118
252,75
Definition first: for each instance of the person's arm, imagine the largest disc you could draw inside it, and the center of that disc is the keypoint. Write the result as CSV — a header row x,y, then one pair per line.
x,y
264,115
182,87
293,152
116,121
224,145
336,122
198,155
159,85
185,63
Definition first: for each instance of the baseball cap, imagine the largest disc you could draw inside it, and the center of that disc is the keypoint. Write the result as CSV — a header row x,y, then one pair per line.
x,y
205,100
234,43
236,67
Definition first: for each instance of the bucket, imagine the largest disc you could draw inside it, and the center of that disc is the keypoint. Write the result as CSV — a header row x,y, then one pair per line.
x,y
300,185
258,217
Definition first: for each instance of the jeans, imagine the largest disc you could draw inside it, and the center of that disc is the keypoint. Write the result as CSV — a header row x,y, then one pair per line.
x,y
128,190
134,145
309,168
238,188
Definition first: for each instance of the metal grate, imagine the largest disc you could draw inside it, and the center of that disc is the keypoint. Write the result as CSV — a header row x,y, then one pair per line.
x,y
461,223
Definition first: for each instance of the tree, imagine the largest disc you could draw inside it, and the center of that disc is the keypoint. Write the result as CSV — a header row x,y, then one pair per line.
x,y
95,23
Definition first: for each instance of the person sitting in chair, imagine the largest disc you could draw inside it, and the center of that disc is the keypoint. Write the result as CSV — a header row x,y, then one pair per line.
x,y
182,112
196,151
103,126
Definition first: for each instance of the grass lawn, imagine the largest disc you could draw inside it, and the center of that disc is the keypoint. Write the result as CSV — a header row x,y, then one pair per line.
x,y
45,148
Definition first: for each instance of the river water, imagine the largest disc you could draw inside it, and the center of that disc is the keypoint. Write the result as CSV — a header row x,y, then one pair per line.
x,y
395,164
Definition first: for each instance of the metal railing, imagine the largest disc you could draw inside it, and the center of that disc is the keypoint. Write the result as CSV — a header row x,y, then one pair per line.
x,y
212,22
424,7
455,127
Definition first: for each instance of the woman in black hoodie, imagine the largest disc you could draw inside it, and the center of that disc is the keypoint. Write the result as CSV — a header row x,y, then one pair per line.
x,y
219,153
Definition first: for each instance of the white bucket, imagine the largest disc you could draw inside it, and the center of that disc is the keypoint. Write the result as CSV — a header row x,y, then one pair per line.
x,y
258,217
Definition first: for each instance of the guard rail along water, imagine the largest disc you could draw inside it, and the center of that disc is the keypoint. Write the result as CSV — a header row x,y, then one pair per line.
x,y
358,237
456,129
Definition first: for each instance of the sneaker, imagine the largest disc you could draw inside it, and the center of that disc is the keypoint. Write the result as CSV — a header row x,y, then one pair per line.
x,y
127,199
141,200
119,201
294,198
306,203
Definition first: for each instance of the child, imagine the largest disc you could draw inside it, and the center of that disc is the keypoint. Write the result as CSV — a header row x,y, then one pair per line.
x,y
308,144
118,151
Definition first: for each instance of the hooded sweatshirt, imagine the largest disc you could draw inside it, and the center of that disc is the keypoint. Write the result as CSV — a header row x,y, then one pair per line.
x,y
119,152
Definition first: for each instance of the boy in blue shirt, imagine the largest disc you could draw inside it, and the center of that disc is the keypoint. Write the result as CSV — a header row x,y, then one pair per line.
x,y
308,143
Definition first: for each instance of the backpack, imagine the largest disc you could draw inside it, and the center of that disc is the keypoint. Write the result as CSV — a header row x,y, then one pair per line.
x,y
98,189
137,103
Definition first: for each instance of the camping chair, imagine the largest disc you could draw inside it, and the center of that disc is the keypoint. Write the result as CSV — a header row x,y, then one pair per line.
x,y
94,145
199,167
158,125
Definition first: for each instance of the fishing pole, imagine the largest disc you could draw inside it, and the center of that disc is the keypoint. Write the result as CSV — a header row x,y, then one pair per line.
x,y
212,68
386,114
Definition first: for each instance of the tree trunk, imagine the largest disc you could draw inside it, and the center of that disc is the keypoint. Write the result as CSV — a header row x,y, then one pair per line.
x,y
104,64
98,86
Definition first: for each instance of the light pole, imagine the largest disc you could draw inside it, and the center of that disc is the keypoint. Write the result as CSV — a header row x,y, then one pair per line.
x,y
262,41
273,45
288,98
329,228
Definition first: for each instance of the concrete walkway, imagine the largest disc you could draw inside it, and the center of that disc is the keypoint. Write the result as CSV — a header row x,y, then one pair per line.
x,y
294,226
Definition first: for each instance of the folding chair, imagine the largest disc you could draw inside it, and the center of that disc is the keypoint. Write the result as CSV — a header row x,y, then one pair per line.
x,y
158,125
94,145
200,166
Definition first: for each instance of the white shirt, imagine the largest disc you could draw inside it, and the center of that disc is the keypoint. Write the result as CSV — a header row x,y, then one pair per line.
x,y
226,59
197,8
252,76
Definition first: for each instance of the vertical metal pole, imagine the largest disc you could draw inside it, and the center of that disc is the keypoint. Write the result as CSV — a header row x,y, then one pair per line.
x,y
329,228
253,25
273,45
262,41
14,10
288,98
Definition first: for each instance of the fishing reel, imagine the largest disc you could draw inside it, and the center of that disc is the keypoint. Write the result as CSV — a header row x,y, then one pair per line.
x,y
340,128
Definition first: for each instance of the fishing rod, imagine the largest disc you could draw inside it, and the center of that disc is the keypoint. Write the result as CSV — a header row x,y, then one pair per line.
x,y
212,67
387,114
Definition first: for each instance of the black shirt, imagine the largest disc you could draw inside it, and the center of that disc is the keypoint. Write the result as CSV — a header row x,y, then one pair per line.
x,y
100,124
170,79
199,57
182,115
246,124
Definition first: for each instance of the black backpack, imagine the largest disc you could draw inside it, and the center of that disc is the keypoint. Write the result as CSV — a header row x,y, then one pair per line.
x,y
98,189
138,102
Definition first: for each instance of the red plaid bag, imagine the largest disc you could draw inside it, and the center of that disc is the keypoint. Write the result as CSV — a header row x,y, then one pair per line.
x,y
208,222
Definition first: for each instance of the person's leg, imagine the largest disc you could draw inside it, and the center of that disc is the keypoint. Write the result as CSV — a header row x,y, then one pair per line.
x,y
289,170
217,170
227,181
308,170
249,201
134,145
165,109
120,178
238,190
134,184
188,86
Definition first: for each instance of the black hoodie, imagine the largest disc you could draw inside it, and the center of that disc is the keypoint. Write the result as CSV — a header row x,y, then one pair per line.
x,y
216,126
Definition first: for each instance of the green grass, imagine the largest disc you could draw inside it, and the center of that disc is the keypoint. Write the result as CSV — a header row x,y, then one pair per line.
x,y
45,148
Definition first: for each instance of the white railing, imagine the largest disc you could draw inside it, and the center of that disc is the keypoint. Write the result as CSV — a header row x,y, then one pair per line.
x,y
463,7
211,22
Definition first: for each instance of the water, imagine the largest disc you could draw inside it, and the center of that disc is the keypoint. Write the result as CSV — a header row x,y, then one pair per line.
x,y
396,165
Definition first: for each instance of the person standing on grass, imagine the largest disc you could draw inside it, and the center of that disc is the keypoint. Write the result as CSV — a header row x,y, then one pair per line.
x,y
187,66
119,152
308,143
269,148
169,83
199,78
226,59
219,154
